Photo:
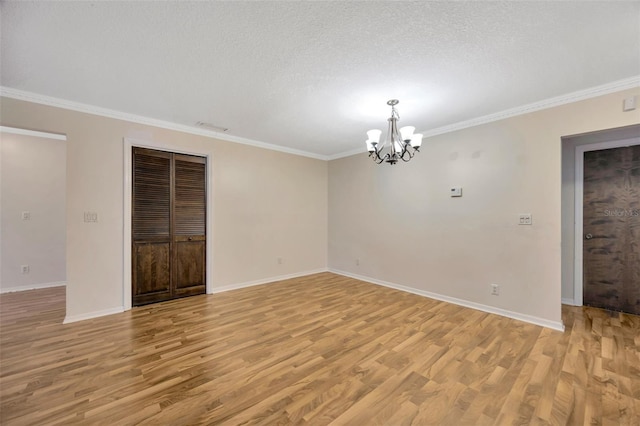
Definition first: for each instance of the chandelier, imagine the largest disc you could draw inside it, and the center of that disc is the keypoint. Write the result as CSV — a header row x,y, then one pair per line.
x,y
399,145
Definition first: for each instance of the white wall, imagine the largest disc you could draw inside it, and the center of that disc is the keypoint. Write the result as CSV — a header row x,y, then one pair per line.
x,y
33,180
266,205
403,227
398,221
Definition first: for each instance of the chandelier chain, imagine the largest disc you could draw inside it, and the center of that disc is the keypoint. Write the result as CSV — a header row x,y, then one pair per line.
x,y
394,112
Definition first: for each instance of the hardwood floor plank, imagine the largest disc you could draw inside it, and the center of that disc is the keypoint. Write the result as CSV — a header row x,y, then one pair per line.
x,y
317,350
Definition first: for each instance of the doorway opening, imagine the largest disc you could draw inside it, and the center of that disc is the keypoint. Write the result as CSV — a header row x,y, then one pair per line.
x,y
573,235
169,225
33,253
205,242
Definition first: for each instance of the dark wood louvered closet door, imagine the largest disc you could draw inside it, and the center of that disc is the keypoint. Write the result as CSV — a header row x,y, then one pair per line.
x,y
168,226
189,224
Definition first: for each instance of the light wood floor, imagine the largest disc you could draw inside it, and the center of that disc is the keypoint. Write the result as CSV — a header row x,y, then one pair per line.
x,y
315,350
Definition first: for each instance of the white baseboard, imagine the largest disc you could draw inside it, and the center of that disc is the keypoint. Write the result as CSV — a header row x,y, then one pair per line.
x,y
32,287
265,281
95,314
567,301
555,325
119,309
485,308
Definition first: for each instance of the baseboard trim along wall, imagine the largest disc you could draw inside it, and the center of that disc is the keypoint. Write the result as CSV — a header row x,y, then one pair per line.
x,y
32,287
567,301
266,280
89,315
478,306
485,308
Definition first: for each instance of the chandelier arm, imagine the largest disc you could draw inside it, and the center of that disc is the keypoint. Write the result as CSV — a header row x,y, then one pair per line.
x,y
407,152
376,158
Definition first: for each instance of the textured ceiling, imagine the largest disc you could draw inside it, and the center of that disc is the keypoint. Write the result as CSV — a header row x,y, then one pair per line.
x,y
314,76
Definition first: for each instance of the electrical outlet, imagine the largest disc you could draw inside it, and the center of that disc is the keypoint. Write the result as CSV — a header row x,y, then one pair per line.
x,y
26,215
25,269
495,290
357,262
280,261
90,216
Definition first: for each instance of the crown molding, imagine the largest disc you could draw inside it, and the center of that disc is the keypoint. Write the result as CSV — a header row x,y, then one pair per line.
x,y
346,154
580,95
616,86
25,132
22,95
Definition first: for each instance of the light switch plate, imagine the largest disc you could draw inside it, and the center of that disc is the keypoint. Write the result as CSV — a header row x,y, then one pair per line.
x,y
456,191
525,219
629,104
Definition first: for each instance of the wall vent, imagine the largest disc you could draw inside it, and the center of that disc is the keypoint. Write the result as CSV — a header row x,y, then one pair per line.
x,y
211,126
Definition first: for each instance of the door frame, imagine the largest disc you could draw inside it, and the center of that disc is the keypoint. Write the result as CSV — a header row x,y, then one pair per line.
x,y
128,144
44,136
578,274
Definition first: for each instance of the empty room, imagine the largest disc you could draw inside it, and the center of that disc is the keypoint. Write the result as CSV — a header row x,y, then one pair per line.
x,y
319,212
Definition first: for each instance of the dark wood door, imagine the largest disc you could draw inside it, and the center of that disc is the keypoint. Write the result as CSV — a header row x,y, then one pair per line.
x,y
189,224
611,215
168,226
